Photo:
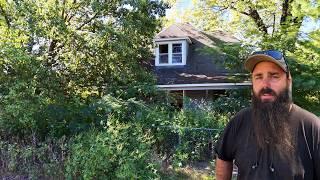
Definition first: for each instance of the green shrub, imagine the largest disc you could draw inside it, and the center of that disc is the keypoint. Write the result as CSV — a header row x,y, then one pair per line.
x,y
190,135
121,151
198,131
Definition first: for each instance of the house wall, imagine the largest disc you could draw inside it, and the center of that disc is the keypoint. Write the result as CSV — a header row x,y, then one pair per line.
x,y
207,63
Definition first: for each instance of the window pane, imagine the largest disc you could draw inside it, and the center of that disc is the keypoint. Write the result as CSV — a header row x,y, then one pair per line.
x,y
176,58
176,48
163,48
163,59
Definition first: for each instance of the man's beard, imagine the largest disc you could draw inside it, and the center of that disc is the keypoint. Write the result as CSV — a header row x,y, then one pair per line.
x,y
271,122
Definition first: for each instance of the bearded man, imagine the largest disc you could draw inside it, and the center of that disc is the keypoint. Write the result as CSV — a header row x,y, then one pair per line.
x,y
274,138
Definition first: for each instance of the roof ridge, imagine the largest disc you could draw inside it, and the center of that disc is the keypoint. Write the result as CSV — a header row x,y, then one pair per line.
x,y
163,29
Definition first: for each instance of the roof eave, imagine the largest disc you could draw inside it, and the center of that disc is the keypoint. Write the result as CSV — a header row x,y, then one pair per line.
x,y
205,86
172,39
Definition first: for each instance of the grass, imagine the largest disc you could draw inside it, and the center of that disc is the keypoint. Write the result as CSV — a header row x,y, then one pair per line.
x,y
198,171
187,173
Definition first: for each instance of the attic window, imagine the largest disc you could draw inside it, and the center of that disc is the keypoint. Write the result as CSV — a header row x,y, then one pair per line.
x,y
171,53
163,54
177,53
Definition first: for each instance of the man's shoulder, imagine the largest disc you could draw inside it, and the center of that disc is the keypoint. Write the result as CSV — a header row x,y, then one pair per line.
x,y
244,112
242,115
305,116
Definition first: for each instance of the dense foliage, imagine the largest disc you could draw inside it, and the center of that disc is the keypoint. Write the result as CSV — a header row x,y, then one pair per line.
x,y
123,151
62,65
58,57
77,102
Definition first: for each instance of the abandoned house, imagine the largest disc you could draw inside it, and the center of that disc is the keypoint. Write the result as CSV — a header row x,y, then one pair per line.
x,y
185,68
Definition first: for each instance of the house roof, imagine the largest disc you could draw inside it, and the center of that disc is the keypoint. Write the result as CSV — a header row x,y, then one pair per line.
x,y
186,30
172,32
201,67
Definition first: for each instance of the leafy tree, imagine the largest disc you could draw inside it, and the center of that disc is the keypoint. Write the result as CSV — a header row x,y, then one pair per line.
x,y
261,21
58,56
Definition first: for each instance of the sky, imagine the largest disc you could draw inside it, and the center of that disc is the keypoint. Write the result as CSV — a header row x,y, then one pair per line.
x,y
184,3
181,5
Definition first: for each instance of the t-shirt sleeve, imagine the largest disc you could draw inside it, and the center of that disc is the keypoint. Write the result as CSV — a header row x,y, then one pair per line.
x,y
311,130
226,145
316,147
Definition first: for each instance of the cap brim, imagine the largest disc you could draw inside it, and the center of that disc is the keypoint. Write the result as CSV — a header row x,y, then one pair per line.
x,y
253,60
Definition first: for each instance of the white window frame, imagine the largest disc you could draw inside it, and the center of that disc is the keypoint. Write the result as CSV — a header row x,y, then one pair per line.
x,y
183,49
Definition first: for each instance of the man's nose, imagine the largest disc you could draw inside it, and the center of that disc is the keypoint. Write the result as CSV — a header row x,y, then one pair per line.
x,y
266,82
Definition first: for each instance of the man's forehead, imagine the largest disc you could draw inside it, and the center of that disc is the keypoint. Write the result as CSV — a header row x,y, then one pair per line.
x,y
265,66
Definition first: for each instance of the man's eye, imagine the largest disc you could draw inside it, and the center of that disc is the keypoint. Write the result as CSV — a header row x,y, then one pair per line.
x,y
275,76
258,78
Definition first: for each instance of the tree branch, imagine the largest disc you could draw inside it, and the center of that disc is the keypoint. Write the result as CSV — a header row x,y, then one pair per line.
x,y
63,8
253,13
51,50
222,8
274,24
87,22
285,11
242,12
287,18
68,19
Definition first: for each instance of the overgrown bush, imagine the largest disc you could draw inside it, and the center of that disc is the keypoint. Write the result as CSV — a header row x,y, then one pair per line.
x,y
121,151
115,138
192,133
197,131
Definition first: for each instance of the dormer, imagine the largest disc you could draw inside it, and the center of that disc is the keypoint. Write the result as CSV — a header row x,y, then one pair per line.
x,y
171,52
171,47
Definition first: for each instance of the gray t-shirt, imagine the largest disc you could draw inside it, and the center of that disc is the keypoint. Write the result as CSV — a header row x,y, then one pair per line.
x,y
238,144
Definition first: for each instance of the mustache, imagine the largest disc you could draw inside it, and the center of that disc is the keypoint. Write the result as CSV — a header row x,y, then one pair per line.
x,y
267,91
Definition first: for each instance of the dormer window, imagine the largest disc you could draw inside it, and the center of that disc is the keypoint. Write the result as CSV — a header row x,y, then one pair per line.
x,y
163,54
171,53
177,53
